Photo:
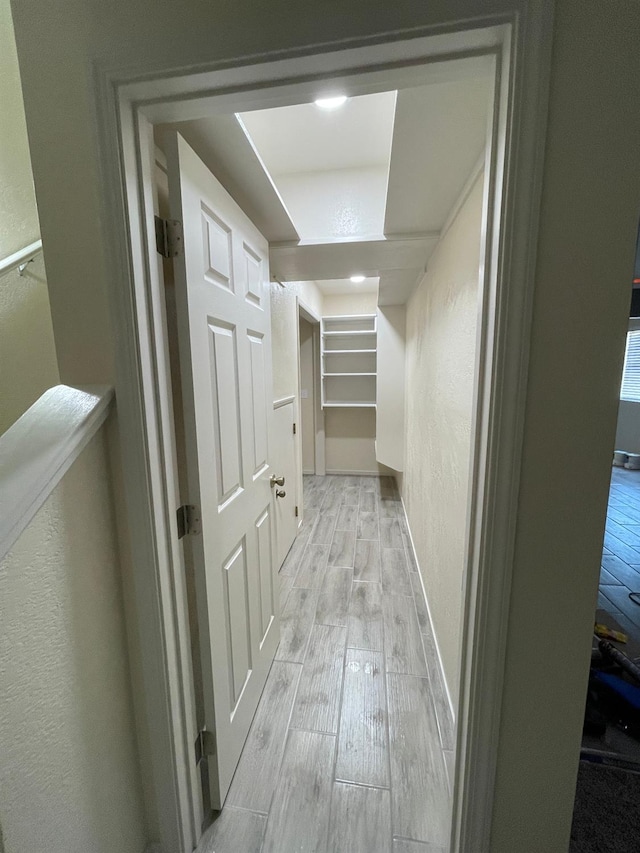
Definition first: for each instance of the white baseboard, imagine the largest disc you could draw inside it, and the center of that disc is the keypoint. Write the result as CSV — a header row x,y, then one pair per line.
x,y
426,601
354,473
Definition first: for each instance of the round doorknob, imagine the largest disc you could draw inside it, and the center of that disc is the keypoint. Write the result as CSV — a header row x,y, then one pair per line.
x,y
276,481
280,493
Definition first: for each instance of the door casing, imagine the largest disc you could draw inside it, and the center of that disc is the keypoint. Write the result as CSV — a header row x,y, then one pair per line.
x,y
127,109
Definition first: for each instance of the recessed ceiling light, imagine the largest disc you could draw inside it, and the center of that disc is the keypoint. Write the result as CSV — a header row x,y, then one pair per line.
x,y
356,279
331,103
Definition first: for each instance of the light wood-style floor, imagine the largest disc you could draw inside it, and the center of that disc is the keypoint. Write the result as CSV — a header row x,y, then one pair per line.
x,y
351,745
620,573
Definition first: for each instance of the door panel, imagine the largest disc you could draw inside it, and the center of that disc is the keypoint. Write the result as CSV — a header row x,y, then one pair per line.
x,y
224,333
284,464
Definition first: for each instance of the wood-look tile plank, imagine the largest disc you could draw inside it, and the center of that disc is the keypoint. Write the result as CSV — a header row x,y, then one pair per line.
x,y
255,777
366,566
421,802
402,640
312,567
395,572
323,531
405,845
368,527
365,616
450,765
619,596
294,557
347,518
606,578
342,549
621,549
313,499
296,621
441,704
624,534
351,496
363,747
335,594
626,573
411,557
390,533
299,815
332,502
232,831
286,582
368,501
388,507
360,820
317,704
421,605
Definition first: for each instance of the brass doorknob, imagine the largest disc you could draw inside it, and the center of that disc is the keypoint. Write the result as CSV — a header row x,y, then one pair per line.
x,y
276,481
280,493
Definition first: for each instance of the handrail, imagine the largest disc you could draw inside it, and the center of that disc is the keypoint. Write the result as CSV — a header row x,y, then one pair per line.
x,y
20,258
37,451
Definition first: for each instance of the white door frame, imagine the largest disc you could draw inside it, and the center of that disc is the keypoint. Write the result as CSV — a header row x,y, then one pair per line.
x,y
306,313
127,105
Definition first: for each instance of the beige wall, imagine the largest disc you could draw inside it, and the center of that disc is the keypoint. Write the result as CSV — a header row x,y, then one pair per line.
x,y
587,236
352,303
440,362
284,332
69,779
28,363
628,429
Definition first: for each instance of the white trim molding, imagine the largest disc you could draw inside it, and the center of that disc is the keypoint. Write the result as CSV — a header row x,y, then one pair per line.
x,y
40,447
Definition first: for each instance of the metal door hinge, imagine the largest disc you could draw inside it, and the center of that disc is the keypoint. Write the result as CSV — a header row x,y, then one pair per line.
x,y
188,520
296,512
169,242
294,429
205,745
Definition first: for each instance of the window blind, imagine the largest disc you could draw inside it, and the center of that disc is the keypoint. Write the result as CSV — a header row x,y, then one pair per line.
x,y
631,374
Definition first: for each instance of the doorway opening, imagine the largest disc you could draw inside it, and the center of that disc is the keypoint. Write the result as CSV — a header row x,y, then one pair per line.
x,y
609,768
398,256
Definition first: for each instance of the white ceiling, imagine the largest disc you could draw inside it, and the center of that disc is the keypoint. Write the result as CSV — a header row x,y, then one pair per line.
x,y
340,286
305,138
428,138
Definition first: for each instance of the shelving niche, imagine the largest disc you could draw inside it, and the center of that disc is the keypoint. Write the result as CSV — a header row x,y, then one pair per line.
x,y
349,361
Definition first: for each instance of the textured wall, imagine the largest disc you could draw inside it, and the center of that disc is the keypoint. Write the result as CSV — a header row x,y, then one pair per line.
x,y
350,303
440,356
307,433
68,763
28,363
284,332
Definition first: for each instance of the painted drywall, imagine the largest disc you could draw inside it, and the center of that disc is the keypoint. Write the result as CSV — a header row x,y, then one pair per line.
x,y
28,364
441,336
350,303
284,331
69,778
390,385
587,237
336,204
307,403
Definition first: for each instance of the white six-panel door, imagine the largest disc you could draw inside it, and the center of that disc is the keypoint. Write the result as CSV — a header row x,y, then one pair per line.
x,y
222,298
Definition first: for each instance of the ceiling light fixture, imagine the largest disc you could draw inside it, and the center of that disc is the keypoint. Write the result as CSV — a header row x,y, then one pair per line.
x,y
331,103
356,279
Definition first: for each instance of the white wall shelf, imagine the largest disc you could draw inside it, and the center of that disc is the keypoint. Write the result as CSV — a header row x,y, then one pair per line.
x,y
349,361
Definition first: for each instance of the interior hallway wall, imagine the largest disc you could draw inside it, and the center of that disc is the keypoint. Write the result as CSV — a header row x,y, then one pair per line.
x,y
284,331
440,361
69,778
28,364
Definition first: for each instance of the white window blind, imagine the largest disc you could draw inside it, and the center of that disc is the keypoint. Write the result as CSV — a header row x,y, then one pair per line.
x,y
631,374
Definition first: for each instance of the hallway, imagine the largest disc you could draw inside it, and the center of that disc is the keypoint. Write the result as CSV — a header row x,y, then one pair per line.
x,y
351,746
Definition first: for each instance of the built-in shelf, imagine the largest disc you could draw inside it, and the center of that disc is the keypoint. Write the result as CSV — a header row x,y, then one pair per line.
x,y
349,356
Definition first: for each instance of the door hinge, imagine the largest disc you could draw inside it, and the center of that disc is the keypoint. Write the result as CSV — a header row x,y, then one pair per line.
x,y
169,242
205,745
296,512
188,520
294,429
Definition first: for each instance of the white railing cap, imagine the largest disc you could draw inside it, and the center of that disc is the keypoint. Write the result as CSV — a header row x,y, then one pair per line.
x,y
40,447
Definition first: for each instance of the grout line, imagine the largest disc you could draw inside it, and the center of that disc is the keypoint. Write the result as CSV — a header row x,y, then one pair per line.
x,y
362,784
